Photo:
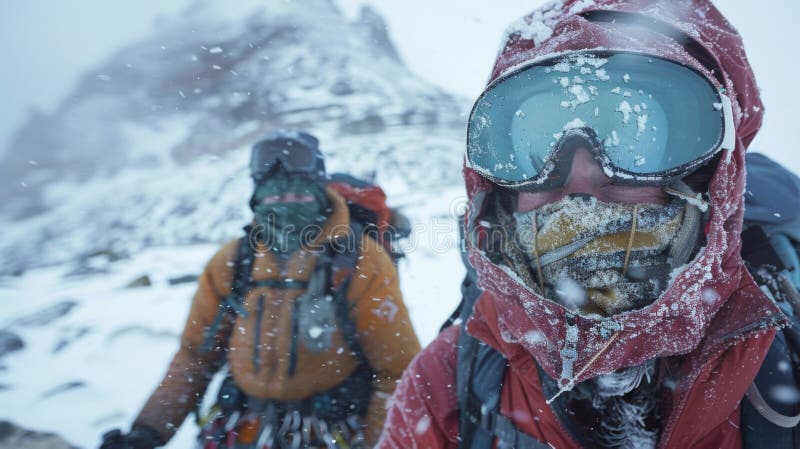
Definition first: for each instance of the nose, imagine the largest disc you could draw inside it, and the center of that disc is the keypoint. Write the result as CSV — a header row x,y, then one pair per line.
x,y
585,175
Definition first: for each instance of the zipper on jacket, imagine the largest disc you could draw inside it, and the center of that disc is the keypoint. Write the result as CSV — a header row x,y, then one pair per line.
x,y
569,352
563,422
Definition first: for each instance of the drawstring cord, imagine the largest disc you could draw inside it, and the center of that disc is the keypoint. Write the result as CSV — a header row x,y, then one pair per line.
x,y
695,200
569,386
630,240
536,250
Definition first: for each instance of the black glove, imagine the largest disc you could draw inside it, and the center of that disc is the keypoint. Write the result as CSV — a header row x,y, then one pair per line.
x,y
140,437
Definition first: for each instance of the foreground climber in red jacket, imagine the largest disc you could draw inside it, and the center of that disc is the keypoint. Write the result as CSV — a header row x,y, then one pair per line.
x,y
605,171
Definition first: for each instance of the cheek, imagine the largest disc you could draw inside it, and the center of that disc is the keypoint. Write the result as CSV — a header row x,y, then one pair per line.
x,y
634,195
612,194
271,199
528,201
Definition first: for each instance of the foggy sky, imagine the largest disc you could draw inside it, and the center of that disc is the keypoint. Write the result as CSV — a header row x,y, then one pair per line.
x,y
47,44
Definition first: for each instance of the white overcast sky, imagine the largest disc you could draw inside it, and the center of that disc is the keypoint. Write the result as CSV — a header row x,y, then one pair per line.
x,y
46,44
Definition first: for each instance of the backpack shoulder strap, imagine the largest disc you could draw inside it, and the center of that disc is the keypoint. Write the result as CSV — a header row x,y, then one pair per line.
x,y
771,412
480,370
472,353
232,304
342,260
242,273
479,385
766,422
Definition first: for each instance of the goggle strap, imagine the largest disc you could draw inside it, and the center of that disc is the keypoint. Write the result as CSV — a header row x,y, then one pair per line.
x,y
729,139
286,163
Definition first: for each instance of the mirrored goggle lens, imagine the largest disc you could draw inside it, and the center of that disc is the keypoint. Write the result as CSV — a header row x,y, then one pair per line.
x,y
651,115
291,155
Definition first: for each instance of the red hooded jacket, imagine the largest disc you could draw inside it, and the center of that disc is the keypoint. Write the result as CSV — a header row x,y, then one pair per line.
x,y
712,314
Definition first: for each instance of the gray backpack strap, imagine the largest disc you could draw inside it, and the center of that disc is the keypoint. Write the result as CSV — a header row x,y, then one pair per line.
x,y
770,247
766,410
232,304
771,411
479,400
765,422
342,261
468,419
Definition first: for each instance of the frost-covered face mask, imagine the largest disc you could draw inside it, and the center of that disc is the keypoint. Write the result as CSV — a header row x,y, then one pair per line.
x,y
289,210
606,258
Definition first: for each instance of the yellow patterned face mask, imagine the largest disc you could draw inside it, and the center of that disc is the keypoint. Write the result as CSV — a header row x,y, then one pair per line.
x,y
605,258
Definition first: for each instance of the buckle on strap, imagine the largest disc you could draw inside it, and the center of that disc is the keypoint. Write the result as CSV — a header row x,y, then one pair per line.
x,y
488,419
508,435
500,427
233,304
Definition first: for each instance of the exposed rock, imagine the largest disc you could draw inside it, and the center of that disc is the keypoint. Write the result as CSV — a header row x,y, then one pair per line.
x,y
108,254
70,336
149,149
9,342
85,270
14,437
141,281
95,262
141,330
377,29
47,315
342,88
190,86
63,388
183,279
370,123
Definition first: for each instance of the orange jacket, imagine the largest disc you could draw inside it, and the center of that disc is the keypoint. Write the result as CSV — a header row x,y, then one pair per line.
x,y
376,307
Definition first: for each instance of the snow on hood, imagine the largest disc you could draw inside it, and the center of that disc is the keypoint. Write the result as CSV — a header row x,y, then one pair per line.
x,y
513,318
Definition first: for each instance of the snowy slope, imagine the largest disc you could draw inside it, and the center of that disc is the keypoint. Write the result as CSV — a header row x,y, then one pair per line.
x,y
94,349
206,201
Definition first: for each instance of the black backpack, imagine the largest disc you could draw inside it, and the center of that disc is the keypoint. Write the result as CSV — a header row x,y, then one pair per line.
x,y
771,250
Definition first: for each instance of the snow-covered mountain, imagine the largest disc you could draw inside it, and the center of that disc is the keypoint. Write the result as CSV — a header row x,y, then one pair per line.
x,y
110,205
176,112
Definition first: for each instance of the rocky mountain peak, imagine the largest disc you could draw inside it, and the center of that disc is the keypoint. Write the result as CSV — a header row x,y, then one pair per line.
x,y
212,79
150,148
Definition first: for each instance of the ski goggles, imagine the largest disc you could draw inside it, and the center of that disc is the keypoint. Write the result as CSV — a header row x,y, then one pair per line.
x,y
293,155
649,119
